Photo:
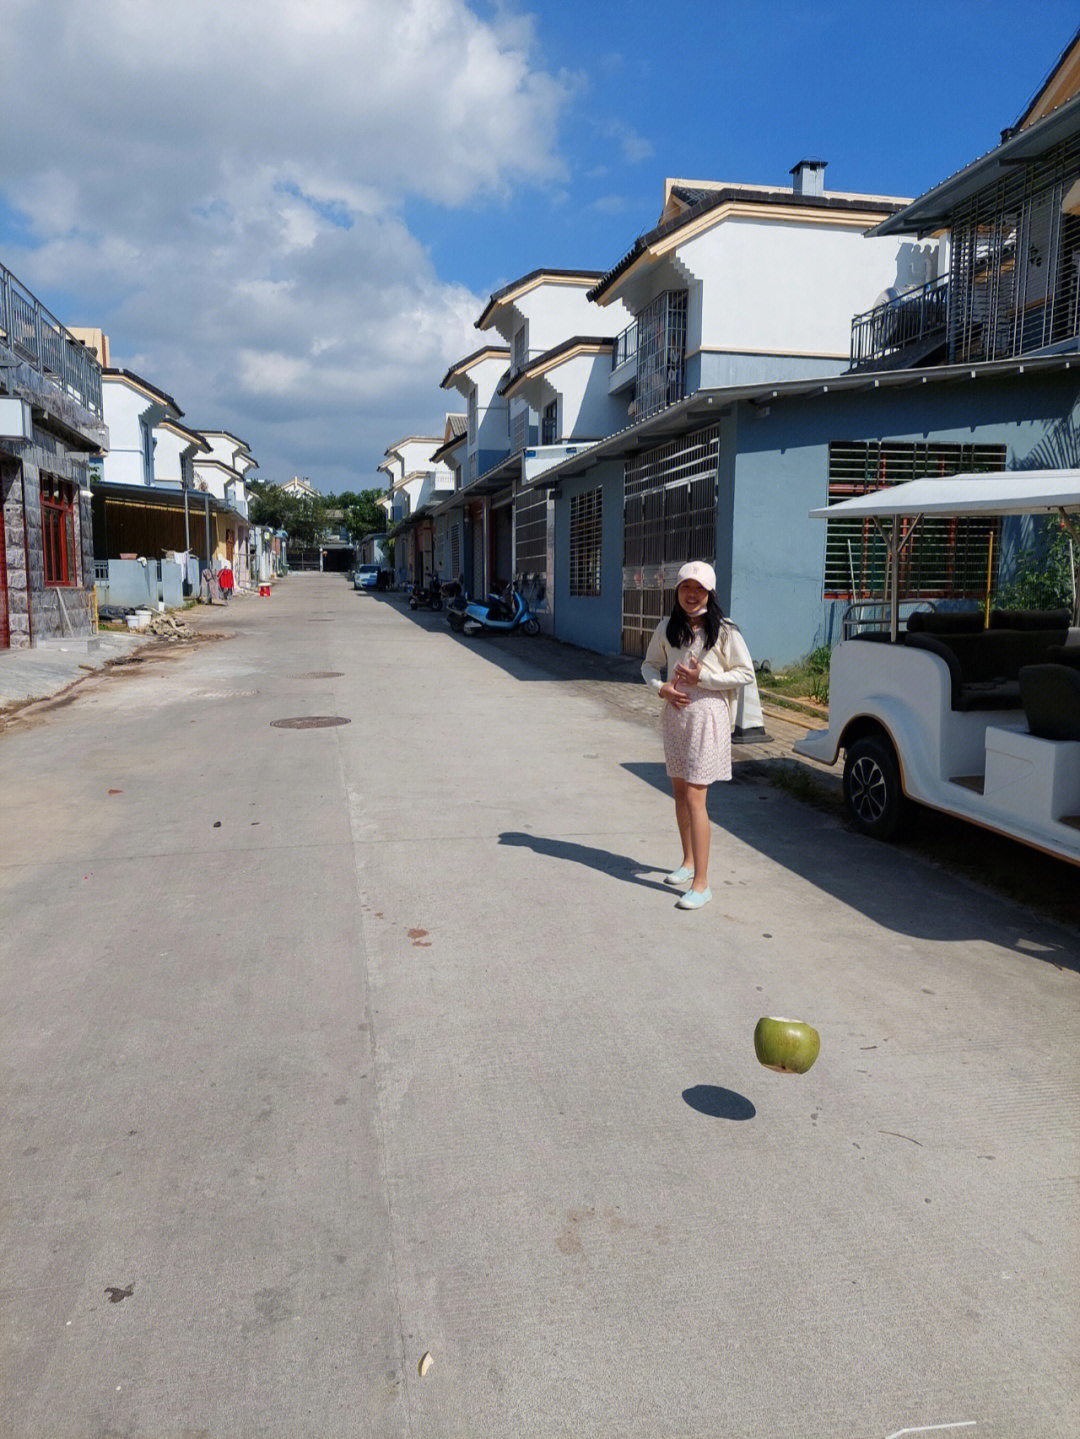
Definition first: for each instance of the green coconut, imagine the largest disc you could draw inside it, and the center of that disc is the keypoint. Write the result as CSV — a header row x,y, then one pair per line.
x,y
787,1045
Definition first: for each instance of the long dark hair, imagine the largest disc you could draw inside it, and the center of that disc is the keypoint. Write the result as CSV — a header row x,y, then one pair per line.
x,y
679,630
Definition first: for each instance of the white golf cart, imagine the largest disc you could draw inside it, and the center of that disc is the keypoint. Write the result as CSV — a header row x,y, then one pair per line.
x,y
977,717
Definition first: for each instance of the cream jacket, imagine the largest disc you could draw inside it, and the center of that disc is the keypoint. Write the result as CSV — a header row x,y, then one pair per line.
x,y
725,668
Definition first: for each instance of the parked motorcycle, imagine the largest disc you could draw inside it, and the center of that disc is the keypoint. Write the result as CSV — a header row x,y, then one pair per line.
x,y
499,613
456,605
427,597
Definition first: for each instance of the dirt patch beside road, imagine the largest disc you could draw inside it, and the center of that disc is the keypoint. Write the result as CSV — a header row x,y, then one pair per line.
x,y
19,714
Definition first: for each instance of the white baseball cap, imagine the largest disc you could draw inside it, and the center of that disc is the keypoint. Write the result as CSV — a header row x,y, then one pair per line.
x,y
698,570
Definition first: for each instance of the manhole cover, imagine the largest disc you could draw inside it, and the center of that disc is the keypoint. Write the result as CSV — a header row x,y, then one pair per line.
x,y
310,722
319,675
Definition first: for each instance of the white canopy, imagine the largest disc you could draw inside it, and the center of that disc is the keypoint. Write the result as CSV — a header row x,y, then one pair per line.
x,y
1012,492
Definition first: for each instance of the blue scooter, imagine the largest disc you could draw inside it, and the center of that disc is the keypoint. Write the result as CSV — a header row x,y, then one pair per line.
x,y
497,615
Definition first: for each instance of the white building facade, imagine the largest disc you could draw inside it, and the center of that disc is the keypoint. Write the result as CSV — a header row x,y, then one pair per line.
x,y
738,284
415,482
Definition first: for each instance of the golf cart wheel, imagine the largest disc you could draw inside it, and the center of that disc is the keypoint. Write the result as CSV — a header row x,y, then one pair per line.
x,y
531,627
436,603
872,791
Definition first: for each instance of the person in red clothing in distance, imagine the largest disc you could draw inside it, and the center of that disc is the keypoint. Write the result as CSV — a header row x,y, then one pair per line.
x,y
225,582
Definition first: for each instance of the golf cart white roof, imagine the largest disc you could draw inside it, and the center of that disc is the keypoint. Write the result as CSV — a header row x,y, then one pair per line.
x,y
1012,492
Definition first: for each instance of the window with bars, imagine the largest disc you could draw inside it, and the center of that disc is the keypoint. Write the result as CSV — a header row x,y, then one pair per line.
x,y
521,347
670,501
1015,260
945,558
530,534
58,531
586,513
661,353
455,551
669,517
549,424
519,429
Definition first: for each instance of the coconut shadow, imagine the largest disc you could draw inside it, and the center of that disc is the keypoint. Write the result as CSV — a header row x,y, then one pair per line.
x,y
718,1103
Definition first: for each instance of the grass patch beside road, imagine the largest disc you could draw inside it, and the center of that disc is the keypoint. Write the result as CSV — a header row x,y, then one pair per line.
x,y
808,680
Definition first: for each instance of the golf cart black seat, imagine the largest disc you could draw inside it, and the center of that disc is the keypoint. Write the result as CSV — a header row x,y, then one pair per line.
x,y
1051,698
984,692
1029,619
984,665
945,622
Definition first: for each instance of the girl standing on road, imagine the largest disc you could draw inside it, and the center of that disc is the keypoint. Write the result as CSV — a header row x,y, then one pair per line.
x,y
706,663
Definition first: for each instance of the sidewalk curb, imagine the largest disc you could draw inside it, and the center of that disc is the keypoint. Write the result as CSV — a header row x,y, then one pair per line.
x,y
793,716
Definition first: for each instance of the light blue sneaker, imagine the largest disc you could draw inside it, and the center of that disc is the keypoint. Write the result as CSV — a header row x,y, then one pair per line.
x,y
694,899
682,875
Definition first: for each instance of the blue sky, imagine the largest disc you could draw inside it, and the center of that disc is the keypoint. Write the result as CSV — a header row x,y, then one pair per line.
x,y
291,223
741,91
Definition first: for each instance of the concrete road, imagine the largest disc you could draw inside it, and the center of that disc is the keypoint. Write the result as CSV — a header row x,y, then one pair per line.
x,y
326,1048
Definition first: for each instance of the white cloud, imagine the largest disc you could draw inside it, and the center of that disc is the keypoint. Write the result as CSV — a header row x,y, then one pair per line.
x,y
220,186
635,146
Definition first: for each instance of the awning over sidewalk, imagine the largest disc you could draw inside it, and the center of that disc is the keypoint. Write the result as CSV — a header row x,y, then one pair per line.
x,y
499,477
704,406
165,497
150,520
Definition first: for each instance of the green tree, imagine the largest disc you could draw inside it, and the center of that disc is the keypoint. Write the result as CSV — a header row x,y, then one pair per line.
x,y
363,516
303,520
1042,579
270,505
309,522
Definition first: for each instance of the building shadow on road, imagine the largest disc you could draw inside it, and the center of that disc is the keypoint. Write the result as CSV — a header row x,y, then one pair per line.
x,y
718,1103
618,866
524,657
881,882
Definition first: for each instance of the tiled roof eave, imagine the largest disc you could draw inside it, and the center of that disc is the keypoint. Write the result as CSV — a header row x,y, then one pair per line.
x,y
513,378
523,281
931,211
840,204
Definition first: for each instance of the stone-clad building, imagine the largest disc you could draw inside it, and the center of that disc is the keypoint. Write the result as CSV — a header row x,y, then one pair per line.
x,y
50,425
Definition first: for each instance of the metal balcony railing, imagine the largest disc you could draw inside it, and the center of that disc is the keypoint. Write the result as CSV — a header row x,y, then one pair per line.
x,y
625,346
911,320
38,338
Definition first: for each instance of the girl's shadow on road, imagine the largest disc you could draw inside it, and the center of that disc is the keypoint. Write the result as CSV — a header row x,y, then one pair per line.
x,y
619,866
